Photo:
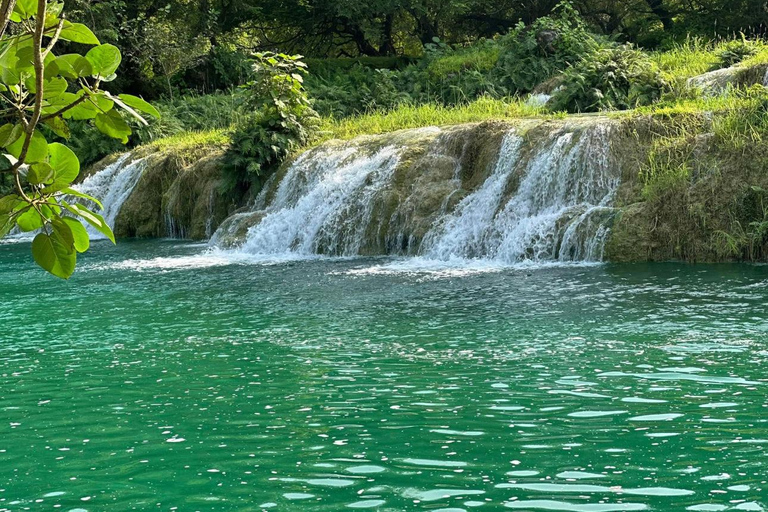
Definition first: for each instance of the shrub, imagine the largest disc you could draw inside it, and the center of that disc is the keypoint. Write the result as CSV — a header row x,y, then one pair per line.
x,y
533,54
610,79
282,119
732,52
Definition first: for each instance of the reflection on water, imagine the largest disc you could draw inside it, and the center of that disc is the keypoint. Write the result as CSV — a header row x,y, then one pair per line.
x,y
318,385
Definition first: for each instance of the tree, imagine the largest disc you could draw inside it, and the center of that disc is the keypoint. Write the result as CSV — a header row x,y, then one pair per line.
x,y
40,93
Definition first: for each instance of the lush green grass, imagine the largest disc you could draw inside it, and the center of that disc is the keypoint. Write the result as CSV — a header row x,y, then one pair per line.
x,y
683,61
408,116
478,58
188,141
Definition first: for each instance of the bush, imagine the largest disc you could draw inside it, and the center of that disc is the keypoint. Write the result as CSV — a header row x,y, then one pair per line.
x,y
282,119
732,52
533,54
610,79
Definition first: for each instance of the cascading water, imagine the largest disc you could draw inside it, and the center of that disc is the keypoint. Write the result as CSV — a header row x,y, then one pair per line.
x,y
547,198
324,203
112,186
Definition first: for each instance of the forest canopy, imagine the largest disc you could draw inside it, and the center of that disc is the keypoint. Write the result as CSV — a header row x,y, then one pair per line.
x,y
175,46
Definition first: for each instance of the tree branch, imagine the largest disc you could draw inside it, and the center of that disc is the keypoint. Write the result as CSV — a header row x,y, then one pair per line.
x,y
6,9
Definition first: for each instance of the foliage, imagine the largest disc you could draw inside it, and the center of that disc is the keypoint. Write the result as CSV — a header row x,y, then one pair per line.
x,y
40,88
533,54
735,51
681,61
283,117
610,79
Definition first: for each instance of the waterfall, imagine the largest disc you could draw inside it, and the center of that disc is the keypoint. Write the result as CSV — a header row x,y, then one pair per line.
x,y
112,186
547,197
324,203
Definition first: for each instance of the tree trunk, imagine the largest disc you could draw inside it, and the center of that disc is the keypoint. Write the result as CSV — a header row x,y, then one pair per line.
x,y
388,41
657,7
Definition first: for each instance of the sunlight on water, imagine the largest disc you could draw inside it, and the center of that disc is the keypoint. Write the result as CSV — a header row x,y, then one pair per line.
x,y
168,377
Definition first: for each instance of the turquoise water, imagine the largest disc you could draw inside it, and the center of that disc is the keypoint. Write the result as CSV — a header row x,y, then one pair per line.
x,y
158,379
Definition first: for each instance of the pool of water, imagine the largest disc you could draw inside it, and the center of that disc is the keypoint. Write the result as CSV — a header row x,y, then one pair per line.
x,y
163,378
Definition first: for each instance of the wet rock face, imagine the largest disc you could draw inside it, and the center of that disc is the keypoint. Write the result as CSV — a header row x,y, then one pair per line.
x,y
176,198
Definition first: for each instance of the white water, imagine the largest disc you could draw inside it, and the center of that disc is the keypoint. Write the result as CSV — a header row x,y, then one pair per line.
x,y
324,203
546,201
553,216
112,186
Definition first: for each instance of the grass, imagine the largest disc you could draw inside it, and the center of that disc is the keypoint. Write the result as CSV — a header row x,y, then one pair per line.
x,y
686,60
410,116
482,58
193,140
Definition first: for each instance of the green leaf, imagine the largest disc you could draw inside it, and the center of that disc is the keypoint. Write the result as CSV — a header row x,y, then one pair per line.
x,y
40,174
81,239
78,33
113,125
59,127
76,193
53,254
30,220
89,109
64,162
94,219
9,134
6,224
105,59
10,203
139,104
24,10
74,66
38,148
128,109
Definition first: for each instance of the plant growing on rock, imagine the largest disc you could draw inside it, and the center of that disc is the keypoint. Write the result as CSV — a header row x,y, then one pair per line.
x,y
533,54
610,79
40,93
283,116
732,52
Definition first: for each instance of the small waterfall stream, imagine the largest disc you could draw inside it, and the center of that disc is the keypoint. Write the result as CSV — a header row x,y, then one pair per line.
x,y
547,198
112,186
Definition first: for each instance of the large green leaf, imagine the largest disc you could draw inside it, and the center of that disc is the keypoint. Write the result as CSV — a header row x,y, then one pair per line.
x,y
105,59
40,173
24,10
74,66
9,204
29,220
6,224
9,134
76,193
113,125
53,253
81,239
64,162
78,33
94,219
59,127
38,148
139,104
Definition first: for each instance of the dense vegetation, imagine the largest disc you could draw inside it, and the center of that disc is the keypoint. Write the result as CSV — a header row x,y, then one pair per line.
x,y
588,55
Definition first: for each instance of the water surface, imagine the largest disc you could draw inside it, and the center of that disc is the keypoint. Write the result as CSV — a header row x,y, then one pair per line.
x,y
158,379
